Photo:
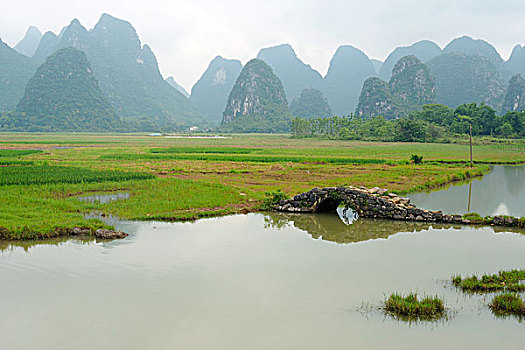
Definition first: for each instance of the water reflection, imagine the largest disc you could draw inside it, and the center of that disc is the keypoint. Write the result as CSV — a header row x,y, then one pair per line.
x,y
104,198
26,245
330,227
168,283
501,192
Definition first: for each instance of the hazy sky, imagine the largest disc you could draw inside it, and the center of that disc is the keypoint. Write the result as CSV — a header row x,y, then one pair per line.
x,y
187,34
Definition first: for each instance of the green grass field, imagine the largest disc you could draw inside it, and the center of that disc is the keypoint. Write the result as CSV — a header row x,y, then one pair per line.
x,y
180,178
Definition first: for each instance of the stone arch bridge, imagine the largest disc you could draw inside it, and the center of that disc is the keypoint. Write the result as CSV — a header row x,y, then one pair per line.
x,y
379,203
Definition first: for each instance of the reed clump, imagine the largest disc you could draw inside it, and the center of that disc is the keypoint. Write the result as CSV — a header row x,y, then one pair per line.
x,y
412,307
512,281
508,304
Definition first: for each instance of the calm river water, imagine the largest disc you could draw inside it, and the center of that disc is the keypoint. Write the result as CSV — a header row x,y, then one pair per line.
x,y
258,282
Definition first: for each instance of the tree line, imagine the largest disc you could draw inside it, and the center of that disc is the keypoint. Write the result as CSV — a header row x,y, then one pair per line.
x,y
434,123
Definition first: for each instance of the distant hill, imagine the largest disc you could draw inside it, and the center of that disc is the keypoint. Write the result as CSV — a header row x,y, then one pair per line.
x,y
173,83
210,92
257,102
127,71
376,100
27,46
349,68
293,73
515,96
310,104
425,50
377,64
410,87
15,71
46,47
469,46
516,62
462,78
63,95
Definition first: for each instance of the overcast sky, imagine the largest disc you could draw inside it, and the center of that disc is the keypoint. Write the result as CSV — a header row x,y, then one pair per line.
x,y
187,34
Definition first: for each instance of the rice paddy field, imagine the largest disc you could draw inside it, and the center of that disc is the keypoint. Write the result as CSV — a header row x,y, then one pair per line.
x,y
175,178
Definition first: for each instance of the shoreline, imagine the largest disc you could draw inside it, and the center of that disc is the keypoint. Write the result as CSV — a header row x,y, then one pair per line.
x,y
109,233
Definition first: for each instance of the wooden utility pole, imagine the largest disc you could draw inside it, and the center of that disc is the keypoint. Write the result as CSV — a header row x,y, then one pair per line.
x,y
471,165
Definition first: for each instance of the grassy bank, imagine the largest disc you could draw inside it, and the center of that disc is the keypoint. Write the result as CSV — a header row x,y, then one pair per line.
x,y
188,178
41,211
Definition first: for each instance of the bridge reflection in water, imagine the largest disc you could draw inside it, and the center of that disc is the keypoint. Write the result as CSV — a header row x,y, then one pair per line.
x,y
332,227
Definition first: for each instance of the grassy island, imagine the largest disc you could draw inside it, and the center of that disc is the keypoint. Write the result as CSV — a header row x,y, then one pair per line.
x,y
412,307
502,281
508,304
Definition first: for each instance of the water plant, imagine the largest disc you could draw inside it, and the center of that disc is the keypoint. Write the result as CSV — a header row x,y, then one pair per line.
x,y
508,304
272,199
502,281
411,307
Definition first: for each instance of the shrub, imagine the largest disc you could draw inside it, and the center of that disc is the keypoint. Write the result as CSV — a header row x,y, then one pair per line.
x,y
272,199
416,159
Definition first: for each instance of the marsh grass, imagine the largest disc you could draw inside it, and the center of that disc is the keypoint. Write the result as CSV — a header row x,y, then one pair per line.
x,y
15,162
508,304
211,149
502,281
44,211
411,307
43,174
243,158
18,152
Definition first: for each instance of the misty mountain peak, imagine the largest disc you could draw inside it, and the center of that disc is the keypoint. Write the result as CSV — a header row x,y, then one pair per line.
x,y
279,50
348,70
424,50
516,62
75,23
470,46
257,102
74,28
75,102
116,34
294,74
46,47
346,59
404,63
75,35
29,43
210,92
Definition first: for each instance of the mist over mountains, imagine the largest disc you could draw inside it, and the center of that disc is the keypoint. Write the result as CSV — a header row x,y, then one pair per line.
x,y
63,95
210,92
466,70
